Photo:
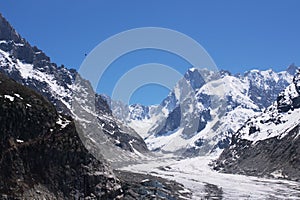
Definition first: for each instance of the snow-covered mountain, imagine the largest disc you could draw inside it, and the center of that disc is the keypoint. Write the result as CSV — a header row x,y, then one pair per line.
x,y
269,142
52,128
198,117
71,95
204,109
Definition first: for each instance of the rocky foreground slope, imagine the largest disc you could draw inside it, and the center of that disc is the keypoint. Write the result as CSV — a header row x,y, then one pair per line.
x,y
41,153
42,156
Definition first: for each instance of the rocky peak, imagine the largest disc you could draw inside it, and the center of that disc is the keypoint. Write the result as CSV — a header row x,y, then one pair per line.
x,y
292,69
195,78
138,112
289,98
7,32
296,81
11,41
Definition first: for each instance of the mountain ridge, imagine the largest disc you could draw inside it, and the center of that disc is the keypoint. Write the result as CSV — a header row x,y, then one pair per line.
x,y
224,96
268,143
66,89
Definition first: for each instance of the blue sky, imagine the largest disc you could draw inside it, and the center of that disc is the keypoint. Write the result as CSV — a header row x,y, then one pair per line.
x,y
239,35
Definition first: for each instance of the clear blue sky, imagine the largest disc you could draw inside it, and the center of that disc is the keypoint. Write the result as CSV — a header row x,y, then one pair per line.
x,y
239,35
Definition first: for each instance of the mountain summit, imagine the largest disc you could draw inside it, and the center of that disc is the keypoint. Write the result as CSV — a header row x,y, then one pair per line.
x,y
204,109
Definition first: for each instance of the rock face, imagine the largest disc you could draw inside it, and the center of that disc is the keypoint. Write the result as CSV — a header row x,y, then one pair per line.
x,y
268,144
18,47
64,88
42,155
273,157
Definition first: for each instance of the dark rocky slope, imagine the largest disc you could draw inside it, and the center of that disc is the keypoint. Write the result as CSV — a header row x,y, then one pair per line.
x,y
41,152
272,157
42,156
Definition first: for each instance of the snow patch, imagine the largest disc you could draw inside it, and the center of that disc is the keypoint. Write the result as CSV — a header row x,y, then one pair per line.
x,y
19,141
62,122
11,98
19,96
